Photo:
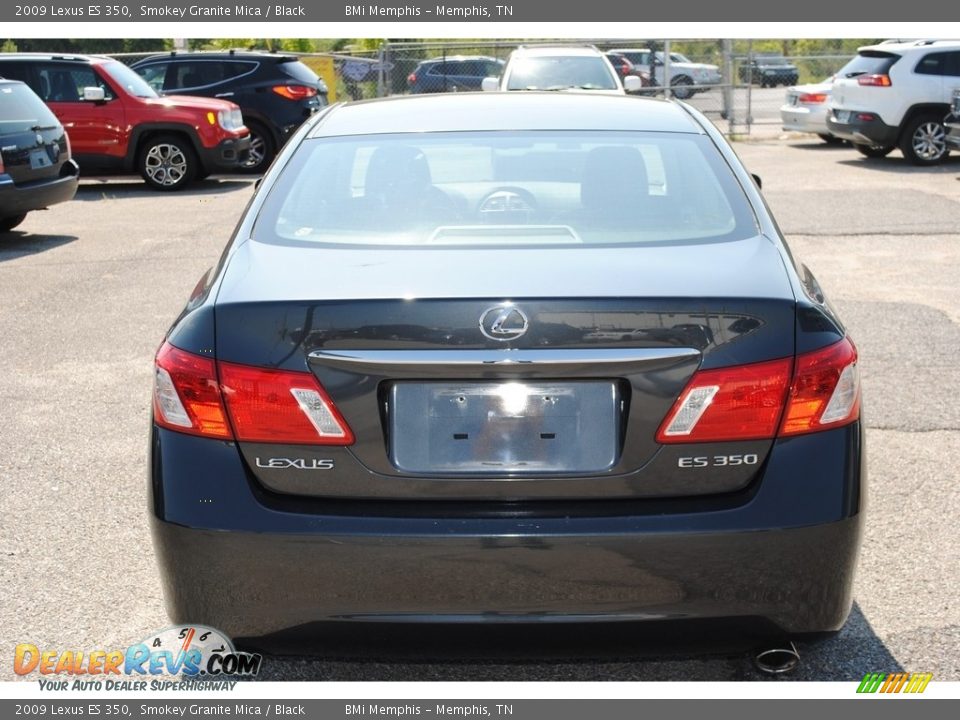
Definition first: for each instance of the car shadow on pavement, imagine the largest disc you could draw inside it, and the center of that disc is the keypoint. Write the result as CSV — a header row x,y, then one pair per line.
x,y
108,188
579,652
18,244
896,164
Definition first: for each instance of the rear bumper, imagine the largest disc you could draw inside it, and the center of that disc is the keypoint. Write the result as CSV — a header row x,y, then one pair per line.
x,y
863,132
226,156
803,119
232,559
17,199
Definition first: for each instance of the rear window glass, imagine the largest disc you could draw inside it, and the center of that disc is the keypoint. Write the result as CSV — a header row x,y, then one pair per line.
x,y
870,62
506,188
299,72
559,73
21,110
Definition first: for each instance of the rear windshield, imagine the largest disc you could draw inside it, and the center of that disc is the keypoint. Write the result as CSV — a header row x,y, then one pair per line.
x,y
869,62
561,73
21,110
299,72
506,189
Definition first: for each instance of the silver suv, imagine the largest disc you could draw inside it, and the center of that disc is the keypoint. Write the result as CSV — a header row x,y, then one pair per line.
x,y
896,95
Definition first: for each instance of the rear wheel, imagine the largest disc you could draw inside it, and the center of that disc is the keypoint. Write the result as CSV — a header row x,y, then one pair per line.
x,y
874,152
680,86
167,162
261,149
9,223
924,139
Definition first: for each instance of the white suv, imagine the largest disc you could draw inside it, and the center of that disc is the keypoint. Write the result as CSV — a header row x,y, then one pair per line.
x,y
561,67
896,95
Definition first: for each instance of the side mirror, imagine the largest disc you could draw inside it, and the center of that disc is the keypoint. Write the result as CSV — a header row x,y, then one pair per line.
x,y
94,94
757,180
490,84
632,84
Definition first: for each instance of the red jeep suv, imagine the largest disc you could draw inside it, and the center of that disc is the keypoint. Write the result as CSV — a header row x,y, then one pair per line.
x,y
118,124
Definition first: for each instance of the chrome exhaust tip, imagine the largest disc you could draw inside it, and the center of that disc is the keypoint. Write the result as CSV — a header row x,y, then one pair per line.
x,y
777,661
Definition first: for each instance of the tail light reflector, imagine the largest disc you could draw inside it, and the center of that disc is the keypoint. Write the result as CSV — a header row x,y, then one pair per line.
x,y
821,390
812,98
186,397
874,80
738,403
246,403
281,406
295,92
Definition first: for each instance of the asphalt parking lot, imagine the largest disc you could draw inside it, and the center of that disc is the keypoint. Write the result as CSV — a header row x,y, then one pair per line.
x,y
88,288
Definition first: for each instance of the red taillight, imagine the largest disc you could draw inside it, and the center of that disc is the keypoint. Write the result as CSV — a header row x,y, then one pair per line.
x,y
263,405
821,390
825,391
186,397
812,98
295,92
411,79
281,406
874,80
866,117
738,403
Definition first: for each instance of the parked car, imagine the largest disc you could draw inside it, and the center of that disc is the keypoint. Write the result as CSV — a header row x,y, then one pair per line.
x,y
453,74
561,67
768,70
118,124
275,92
485,455
624,69
805,110
686,77
897,95
952,122
36,169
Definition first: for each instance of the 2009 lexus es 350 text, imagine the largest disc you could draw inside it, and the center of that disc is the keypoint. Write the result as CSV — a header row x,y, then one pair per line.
x,y
507,357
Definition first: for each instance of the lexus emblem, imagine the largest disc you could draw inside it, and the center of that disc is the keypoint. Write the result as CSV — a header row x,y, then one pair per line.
x,y
503,322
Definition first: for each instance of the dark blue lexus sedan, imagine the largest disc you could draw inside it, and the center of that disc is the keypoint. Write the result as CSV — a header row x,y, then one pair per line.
x,y
507,357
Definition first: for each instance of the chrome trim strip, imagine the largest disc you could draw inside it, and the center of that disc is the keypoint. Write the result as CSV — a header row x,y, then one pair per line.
x,y
498,358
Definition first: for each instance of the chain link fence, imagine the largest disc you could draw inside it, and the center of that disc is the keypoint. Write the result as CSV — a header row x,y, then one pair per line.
x,y
742,93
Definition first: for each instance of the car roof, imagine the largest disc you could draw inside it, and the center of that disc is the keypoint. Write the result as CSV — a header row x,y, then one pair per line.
x,y
458,58
556,51
219,55
912,45
500,111
65,57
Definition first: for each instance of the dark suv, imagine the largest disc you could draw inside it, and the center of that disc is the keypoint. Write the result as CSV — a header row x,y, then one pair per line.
x,y
275,92
35,165
769,70
453,74
118,124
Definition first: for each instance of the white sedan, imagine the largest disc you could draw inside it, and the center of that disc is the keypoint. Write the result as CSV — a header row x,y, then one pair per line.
x,y
805,109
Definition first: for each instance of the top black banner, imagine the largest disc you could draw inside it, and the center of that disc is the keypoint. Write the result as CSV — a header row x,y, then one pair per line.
x,y
935,12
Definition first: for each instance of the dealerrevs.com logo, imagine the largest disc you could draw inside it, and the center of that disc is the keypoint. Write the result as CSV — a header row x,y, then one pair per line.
x,y
187,652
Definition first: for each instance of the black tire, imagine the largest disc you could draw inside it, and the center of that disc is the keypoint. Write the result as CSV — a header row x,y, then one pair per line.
x,y
923,141
9,223
830,139
167,162
262,149
680,87
873,152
